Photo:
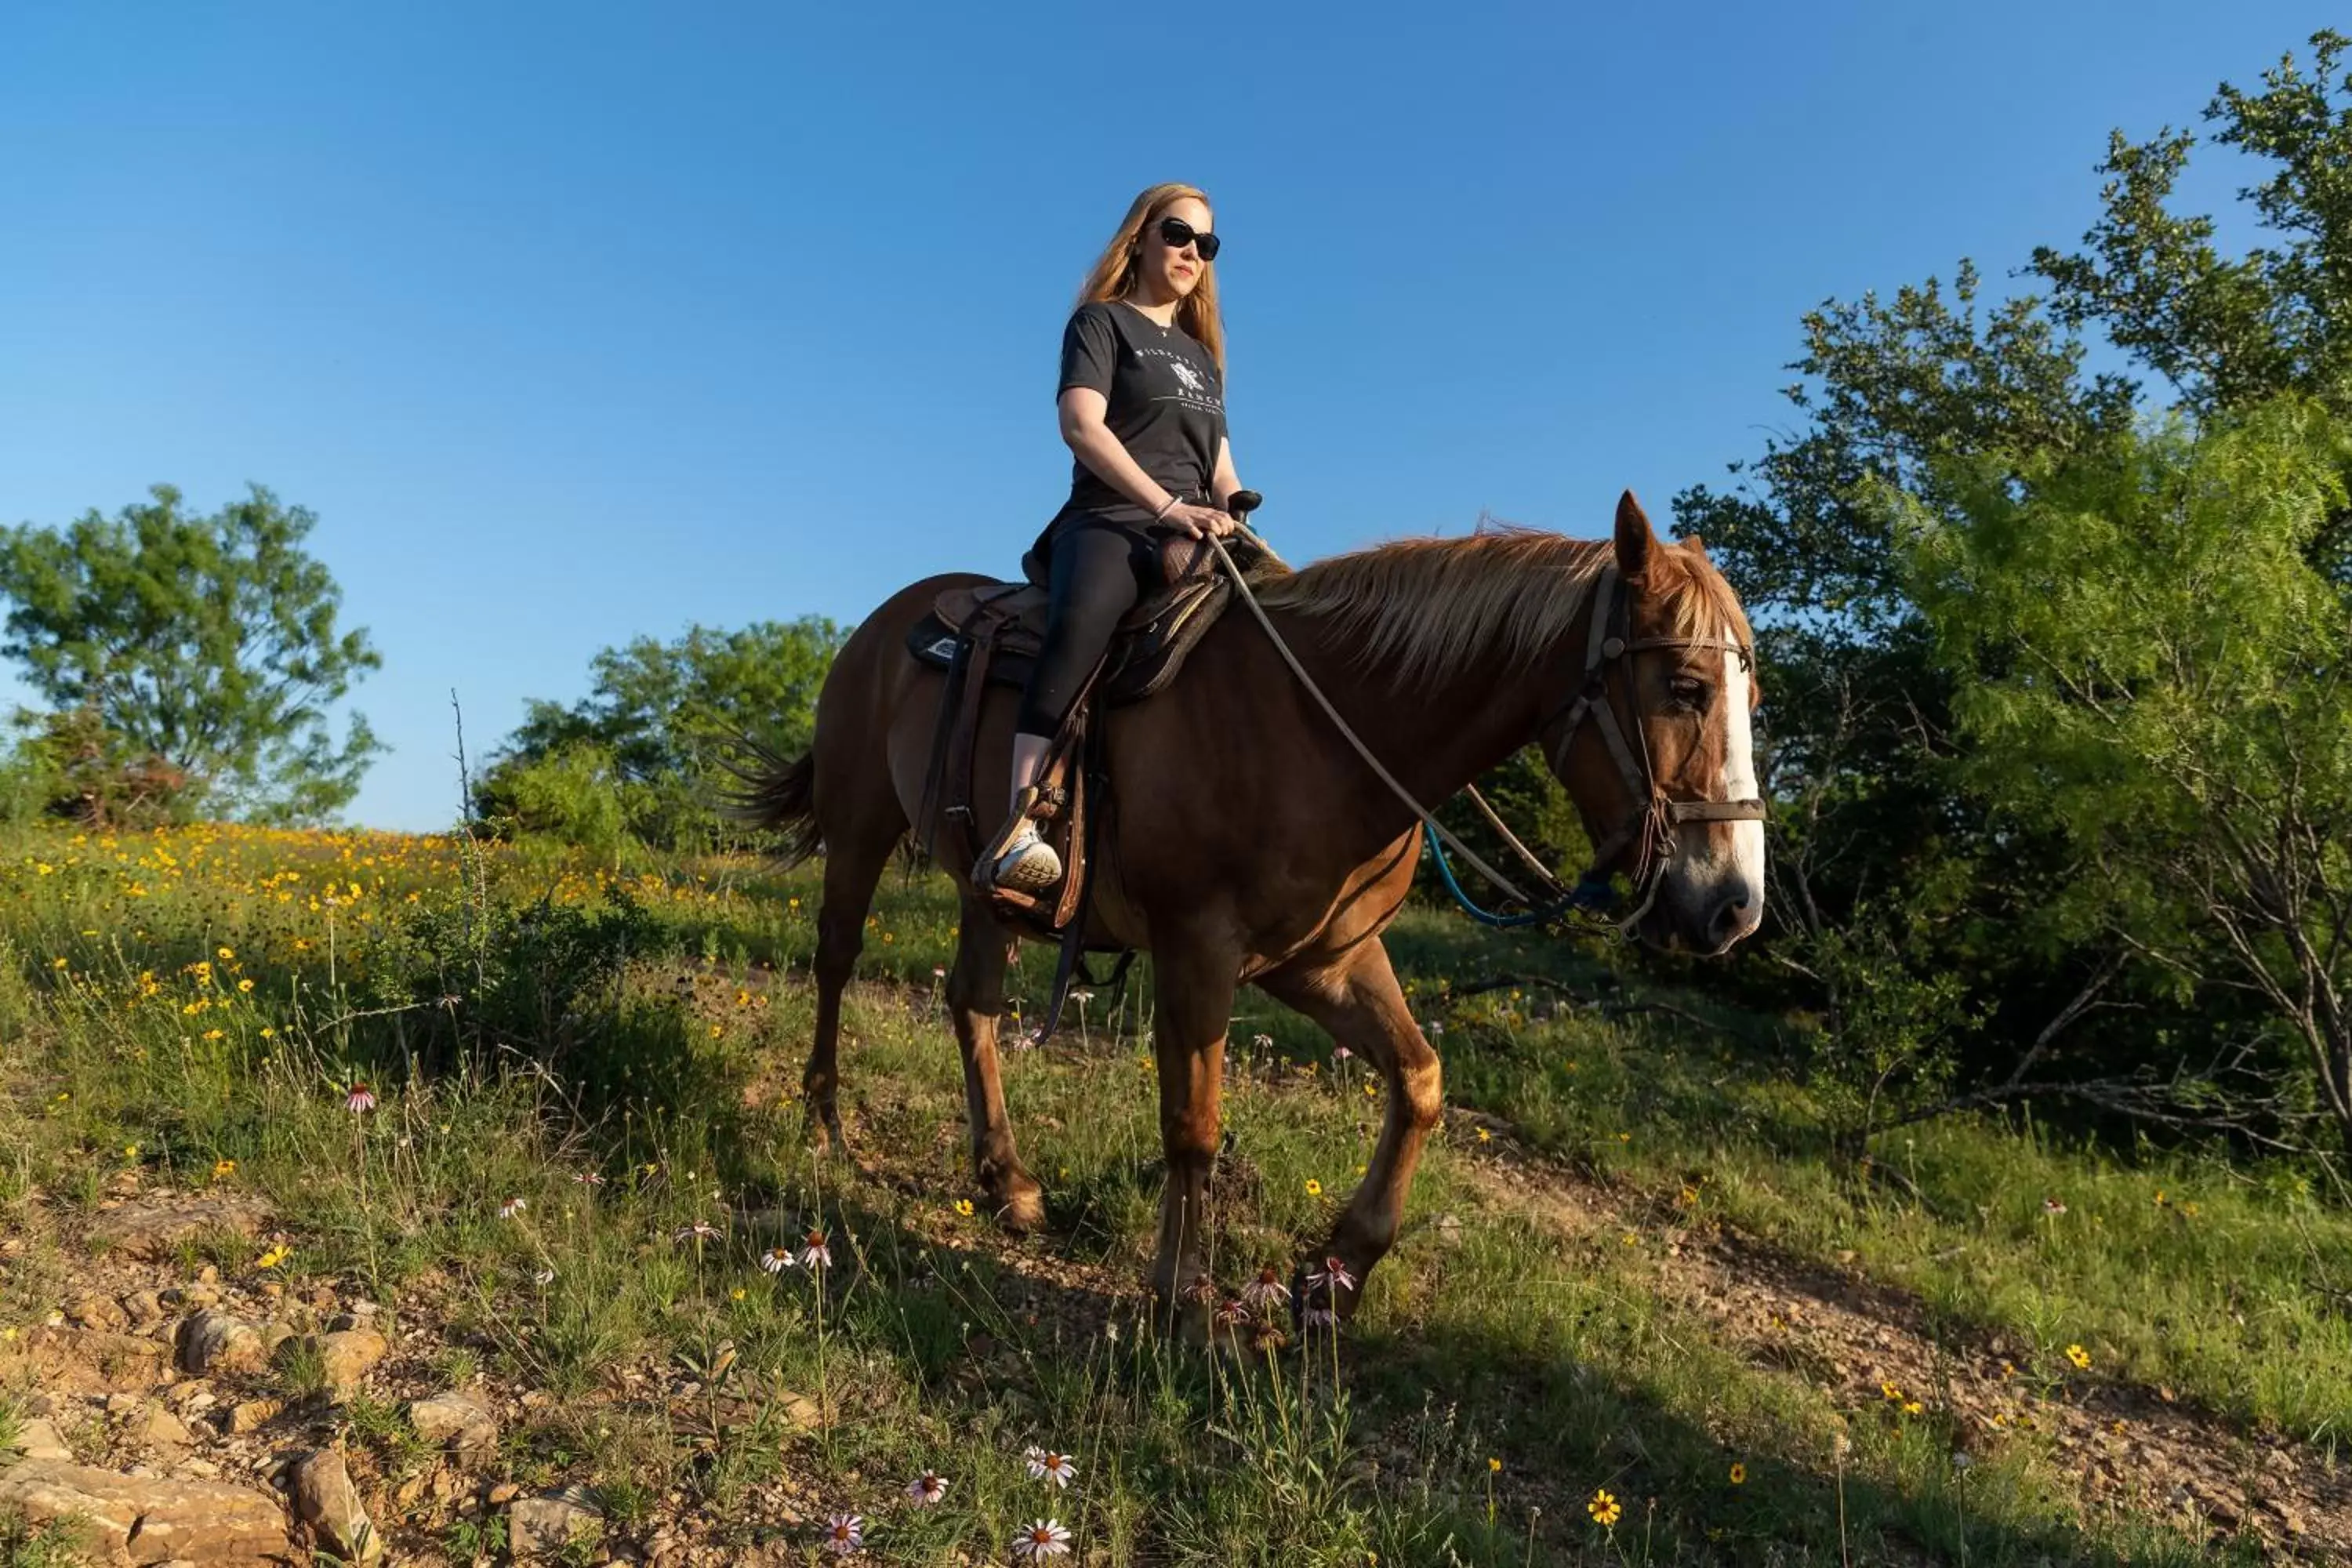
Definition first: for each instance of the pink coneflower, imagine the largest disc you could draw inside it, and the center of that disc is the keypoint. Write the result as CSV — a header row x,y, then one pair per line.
x,y
1322,1317
512,1208
1333,1275
2054,1206
590,1178
1054,1468
776,1259
1267,1289
1341,1053
1042,1538
844,1533
927,1489
816,1253
701,1230
1231,1311
360,1099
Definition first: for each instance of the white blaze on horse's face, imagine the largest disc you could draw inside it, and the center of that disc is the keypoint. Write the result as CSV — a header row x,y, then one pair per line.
x,y
1740,784
1714,885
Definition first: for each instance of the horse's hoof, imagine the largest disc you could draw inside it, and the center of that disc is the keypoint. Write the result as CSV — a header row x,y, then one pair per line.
x,y
1023,1211
825,1136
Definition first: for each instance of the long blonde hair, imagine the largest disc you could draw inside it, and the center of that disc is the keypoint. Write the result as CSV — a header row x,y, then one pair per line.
x,y
1113,271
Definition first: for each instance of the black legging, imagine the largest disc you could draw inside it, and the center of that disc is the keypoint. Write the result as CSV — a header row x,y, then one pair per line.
x,y
1098,572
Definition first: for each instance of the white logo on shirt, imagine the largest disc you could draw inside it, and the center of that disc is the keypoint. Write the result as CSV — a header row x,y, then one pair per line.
x,y
1187,374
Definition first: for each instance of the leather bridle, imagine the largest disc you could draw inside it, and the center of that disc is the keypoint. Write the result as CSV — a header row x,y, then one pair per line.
x,y
1649,831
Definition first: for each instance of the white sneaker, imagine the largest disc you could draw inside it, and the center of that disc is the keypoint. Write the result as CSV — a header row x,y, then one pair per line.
x,y
1028,864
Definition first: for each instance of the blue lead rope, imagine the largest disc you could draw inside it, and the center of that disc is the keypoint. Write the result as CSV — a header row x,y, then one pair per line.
x,y
1589,896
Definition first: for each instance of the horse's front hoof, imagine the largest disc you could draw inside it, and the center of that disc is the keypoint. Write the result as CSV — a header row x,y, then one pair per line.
x,y
824,1132
1019,1205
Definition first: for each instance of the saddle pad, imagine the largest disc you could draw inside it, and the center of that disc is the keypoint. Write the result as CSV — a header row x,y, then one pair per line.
x,y
1146,651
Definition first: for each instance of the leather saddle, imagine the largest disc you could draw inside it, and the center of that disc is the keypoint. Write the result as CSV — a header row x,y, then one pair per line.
x,y
988,634
1145,653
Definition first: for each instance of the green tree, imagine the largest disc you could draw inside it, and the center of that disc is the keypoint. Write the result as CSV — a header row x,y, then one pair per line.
x,y
658,713
2153,668
207,643
1876,809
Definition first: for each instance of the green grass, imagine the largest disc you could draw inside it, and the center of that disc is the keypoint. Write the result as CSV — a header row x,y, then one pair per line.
x,y
635,1035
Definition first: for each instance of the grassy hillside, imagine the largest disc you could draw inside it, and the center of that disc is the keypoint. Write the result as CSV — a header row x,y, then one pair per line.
x,y
1642,1312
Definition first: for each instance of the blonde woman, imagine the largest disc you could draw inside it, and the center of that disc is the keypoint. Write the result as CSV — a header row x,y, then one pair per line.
x,y
1143,411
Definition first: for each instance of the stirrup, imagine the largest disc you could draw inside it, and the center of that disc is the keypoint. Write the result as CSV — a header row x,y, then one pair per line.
x,y
1028,864
1019,859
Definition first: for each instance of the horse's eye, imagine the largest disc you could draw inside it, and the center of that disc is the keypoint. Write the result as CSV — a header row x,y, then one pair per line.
x,y
1688,691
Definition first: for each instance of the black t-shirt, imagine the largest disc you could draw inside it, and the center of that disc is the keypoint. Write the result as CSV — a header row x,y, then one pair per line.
x,y
1167,405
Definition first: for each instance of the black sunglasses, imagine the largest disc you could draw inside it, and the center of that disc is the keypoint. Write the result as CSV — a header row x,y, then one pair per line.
x,y
1177,234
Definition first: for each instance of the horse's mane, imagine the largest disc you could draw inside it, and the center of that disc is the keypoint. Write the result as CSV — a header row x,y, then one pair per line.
x,y
1431,610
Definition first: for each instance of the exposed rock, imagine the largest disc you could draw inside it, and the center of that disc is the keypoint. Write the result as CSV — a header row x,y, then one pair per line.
x,y
153,1231
191,1297
191,1396
152,1519
547,1526
273,1336
212,1340
325,1500
81,1360
143,1308
96,1311
251,1416
348,1355
37,1439
461,1421
504,1493
157,1427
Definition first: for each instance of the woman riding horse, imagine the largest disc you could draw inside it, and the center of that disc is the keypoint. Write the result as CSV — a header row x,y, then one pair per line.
x,y
1142,408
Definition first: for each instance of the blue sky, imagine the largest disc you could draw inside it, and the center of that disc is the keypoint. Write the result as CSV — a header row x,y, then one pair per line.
x,y
577,323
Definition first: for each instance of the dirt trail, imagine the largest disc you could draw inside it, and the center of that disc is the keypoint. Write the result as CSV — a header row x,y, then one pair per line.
x,y
2136,1448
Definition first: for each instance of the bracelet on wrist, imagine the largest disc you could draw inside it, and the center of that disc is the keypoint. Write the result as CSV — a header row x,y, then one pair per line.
x,y
1171,503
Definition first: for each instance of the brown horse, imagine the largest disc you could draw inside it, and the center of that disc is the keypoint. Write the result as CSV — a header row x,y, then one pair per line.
x,y
1249,844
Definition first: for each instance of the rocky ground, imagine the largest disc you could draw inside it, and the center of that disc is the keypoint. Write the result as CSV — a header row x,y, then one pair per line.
x,y
189,1418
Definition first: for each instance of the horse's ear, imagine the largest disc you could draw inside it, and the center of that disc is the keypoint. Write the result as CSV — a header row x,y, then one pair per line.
x,y
1637,542
1695,546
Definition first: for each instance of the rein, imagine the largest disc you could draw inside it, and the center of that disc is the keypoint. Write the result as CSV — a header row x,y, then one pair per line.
x,y
1650,830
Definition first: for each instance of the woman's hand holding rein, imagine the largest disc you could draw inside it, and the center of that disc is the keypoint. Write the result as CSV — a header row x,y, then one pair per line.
x,y
1198,521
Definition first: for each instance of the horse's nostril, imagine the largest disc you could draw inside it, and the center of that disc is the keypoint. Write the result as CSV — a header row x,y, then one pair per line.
x,y
1730,919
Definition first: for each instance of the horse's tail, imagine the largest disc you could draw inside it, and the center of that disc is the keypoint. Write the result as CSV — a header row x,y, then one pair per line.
x,y
775,793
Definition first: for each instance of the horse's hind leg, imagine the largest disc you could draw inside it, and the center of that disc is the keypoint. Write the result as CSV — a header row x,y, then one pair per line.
x,y
976,1000
855,858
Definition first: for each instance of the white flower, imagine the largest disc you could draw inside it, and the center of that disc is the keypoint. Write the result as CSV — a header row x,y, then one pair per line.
x,y
1042,1538
701,1230
1054,1468
511,1207
816,1253
1333,1275
776,1259
544,1277
844,1533
1267,1289
927,1489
